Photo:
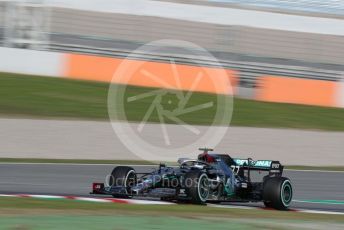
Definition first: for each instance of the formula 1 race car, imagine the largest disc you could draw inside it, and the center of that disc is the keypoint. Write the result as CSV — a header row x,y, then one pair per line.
x,y
210,178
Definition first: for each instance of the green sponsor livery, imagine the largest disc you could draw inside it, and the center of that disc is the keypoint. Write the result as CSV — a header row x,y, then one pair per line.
x,y
259,163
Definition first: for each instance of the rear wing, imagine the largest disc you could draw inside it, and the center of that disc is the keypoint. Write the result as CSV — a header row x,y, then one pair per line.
x,y
274,167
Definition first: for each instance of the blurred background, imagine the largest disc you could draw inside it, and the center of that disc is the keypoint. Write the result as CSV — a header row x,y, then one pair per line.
x,y
300,39
289,52
284,60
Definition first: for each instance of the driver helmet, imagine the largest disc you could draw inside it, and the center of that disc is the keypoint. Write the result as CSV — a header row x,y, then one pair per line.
x,y
206,158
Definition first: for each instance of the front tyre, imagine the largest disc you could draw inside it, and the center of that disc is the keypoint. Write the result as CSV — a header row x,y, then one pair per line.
x,y
277,193
197,186
123,176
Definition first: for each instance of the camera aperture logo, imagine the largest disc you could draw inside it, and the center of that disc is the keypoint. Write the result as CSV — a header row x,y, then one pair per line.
x,y
153,104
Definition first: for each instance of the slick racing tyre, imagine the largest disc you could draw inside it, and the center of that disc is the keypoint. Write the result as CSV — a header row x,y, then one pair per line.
x,y
197,186
123,176
277,193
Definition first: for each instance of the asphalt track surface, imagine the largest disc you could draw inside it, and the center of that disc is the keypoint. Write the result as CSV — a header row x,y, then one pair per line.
x,y
315,190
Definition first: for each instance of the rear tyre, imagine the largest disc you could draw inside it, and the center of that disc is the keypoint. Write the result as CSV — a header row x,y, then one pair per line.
x,y
123,176
197,186
277,193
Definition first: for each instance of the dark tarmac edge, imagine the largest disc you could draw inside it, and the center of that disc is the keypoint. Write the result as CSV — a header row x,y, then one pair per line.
x,y
314,190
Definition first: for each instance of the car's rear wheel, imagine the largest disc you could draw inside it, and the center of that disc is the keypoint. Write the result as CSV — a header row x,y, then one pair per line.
x,y
277,193
123,176
197,186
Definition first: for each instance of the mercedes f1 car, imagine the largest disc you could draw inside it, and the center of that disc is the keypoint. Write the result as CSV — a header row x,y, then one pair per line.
x,y
211,177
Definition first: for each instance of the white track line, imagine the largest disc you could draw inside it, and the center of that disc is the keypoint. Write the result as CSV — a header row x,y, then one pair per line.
x,y
47,196
93,200
151,202
231,206
7,195
319,212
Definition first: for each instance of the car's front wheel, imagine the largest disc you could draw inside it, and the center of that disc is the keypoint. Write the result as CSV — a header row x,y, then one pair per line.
x,y
123,176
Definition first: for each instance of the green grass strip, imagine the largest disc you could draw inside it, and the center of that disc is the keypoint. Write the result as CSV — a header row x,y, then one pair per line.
x,y
117,222
31,206
106,222
41,97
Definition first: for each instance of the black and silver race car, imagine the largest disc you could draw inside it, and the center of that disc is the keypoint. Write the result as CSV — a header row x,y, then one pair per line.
x,y
211,177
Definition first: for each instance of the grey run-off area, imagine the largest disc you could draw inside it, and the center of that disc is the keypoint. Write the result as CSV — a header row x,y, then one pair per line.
x,y
71,139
